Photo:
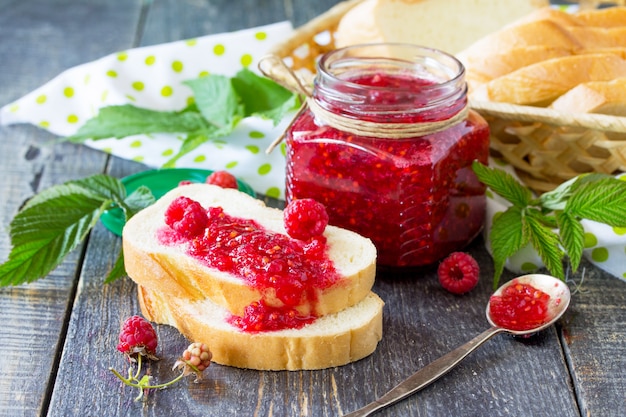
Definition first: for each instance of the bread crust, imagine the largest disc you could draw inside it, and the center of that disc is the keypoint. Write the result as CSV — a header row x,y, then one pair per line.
x,y
334,340
170,271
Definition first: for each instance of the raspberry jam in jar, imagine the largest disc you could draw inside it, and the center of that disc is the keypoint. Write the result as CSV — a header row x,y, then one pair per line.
x,y
386,143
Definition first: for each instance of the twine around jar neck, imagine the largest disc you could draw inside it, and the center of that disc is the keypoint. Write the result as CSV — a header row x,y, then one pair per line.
x,y
275,68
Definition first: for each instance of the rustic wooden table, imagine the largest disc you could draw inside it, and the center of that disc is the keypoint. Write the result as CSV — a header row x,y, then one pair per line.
x,y
58,335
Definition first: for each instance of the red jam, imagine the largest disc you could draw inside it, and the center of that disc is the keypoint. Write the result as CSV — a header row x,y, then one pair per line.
x,y
418,198
294,269
519,307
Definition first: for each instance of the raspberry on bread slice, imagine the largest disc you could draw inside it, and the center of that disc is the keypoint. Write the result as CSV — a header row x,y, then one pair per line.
x,y
332,340
169,267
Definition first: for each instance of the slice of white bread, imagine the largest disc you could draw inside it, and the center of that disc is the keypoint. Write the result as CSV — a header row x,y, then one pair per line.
x,y
332,340
448,25
541,83
604,97
169,270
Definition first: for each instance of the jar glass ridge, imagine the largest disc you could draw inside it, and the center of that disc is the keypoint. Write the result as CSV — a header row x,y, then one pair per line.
x,y
416,197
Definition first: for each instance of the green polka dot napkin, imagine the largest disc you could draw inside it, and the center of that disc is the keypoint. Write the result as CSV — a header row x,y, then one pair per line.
x,y
152,77
605,246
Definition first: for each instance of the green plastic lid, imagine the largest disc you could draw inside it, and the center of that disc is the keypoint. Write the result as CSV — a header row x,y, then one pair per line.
x,y
159,181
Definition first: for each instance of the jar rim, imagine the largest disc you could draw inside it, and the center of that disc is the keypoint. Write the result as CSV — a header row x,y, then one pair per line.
x,y
435,59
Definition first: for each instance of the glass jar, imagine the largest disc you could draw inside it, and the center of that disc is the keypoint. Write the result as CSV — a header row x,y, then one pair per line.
x,y
386,143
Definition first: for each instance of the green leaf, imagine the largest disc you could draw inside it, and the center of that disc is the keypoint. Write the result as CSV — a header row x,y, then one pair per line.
x,y
572,237
138,200
557,198
545,241
127,120
43,234
503,184
118,270
263,97
603,201
191,142
56,221
217,101
506,238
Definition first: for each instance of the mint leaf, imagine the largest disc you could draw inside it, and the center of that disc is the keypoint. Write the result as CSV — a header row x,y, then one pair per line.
x,y
217,101
127,120
506,238
545,242
503,184
572,237
603,201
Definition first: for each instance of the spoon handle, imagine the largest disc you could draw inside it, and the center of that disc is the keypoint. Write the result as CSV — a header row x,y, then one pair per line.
x,y
426,375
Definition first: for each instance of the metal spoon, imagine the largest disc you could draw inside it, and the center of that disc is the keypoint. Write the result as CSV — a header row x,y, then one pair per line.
x,y
559,301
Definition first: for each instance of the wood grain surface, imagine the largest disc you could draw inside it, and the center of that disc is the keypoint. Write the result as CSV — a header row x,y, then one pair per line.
x,y
58,335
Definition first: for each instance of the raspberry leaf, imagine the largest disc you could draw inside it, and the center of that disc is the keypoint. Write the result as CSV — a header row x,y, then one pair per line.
x,y
545,241
127,120
602,201
506,238
503,184
572,237
57,220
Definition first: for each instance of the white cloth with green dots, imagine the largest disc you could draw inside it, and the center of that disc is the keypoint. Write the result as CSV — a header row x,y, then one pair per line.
x,y
152,77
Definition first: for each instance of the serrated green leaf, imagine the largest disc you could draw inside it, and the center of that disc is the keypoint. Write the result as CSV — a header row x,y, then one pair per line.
x,y
217,101
506,238
545,241
263,97
118,270
138,200
191,142
557,198
603,201
503,184
42,235
127,120
572,237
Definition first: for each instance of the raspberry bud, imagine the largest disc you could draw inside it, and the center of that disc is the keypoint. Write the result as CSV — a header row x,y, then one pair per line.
x,y
196,358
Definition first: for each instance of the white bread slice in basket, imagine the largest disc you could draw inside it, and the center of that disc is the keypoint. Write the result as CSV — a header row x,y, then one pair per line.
x,y
169,270
541,83
448,25
332,340
602,97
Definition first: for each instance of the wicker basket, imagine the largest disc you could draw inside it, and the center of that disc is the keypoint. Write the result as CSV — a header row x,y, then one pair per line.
x,y
546,147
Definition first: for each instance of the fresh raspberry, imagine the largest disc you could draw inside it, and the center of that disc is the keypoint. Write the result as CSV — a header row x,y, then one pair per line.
x,y
223,179
138,337
186,217
196,358
305,218
458,273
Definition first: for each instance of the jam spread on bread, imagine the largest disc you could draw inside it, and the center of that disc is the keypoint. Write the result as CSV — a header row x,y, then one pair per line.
x,y
288,272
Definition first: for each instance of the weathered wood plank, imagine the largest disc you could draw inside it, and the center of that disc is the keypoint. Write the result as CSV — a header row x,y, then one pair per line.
x,y
505,377
39,40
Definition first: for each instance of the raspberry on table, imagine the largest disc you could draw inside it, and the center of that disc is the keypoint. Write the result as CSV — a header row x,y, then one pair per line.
x,y
186,216
305,218
138,337
222,178
458,273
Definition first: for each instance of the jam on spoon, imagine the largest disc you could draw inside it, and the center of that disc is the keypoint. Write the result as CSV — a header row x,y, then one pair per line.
x,y
522,306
